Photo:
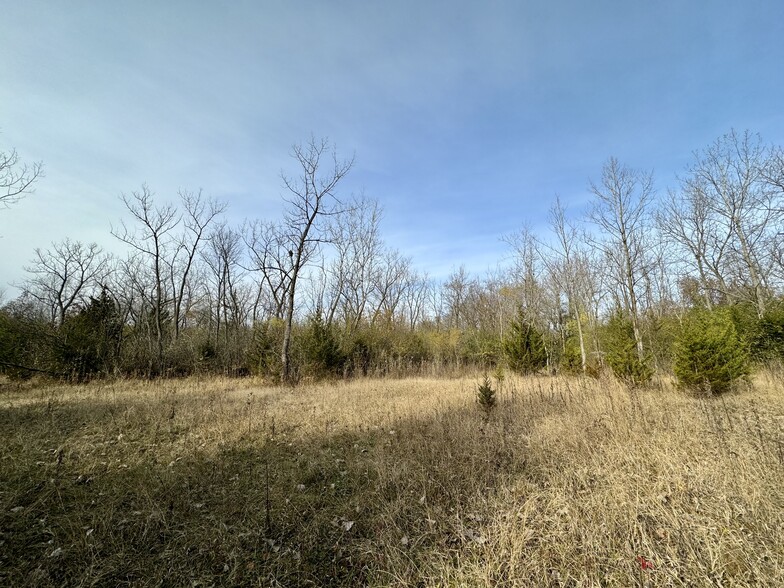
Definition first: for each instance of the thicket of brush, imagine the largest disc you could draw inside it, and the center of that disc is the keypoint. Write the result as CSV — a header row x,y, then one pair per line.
x,y
707,350
639,281
566,482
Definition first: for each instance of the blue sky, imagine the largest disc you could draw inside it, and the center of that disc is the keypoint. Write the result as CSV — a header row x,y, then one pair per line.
x,y
466,118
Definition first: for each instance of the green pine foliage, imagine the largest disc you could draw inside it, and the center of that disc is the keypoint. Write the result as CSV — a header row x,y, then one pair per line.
x,y
320,348
89,341
264,355
23,339
485,396
479,347
621,352
524,346
709,354
660,340
765,335
571,360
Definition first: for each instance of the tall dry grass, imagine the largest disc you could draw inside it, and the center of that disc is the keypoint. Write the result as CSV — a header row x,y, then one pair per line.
x,y
571,482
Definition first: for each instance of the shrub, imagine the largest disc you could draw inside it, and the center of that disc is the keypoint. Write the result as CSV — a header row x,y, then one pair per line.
x,y
571,360
479,348
524,346
360,352
661,333
193,352
621,352
22,339
709,354
264,356
485,396
321,353
89,341
409,346
767,338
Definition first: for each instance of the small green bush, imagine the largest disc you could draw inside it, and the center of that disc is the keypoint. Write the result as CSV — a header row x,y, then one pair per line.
x,y
88,342
524,346
570,360
479,348
709,354
767,339
621,352
485,396
24,340
264,355
321,354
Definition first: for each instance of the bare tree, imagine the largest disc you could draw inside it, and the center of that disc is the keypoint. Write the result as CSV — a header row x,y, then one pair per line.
x,y
774,176
773,173
415,298
311,197
199,214
486,304
526,275
735,180
688,222
567,268
621,211
454,293
16,177
151,241
391,274
268,249
365,279
131,284
355,237
170,252
223,257
64,276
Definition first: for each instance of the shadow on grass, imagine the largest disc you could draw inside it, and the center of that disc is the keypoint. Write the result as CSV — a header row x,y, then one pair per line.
x,y
82,507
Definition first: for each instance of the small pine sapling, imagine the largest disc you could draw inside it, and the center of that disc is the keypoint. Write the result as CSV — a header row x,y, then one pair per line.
x,y
485,397
622,355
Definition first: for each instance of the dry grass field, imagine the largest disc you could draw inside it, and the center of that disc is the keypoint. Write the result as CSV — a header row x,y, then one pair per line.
x,y
571,482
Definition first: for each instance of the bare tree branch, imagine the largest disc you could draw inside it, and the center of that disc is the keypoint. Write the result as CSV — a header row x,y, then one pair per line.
x,y
16,178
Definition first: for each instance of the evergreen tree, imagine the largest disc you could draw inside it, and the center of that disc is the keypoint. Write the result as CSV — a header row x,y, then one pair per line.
x,y
322,355
264,355
709,354
622,352
570,359
89,341
765,334
24,340
524,346
485,397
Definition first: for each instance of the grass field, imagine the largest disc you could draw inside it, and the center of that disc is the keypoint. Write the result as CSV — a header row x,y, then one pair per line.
x,y
570,482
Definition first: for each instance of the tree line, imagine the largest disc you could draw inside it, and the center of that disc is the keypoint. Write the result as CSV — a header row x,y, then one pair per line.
x,y
690,281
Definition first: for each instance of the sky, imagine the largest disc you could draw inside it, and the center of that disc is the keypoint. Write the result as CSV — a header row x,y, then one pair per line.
x,y
465,119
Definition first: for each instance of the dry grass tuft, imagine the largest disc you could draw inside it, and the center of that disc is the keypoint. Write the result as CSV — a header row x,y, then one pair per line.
x,y
570,482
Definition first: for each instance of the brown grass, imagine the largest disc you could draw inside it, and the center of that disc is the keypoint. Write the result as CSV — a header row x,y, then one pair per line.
x,y
390,483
